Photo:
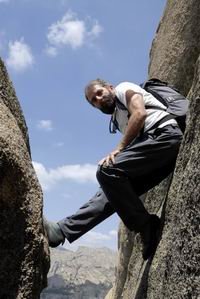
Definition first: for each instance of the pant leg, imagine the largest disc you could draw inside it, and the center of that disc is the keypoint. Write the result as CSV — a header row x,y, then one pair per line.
x,y
97,209
138,168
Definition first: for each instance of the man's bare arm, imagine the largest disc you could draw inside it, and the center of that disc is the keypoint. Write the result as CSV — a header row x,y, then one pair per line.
x,y
136,108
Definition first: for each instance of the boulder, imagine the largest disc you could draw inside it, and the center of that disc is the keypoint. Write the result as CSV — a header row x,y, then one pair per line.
x,y
24,251
174,271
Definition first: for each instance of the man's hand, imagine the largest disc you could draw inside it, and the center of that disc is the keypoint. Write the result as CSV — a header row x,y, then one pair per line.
x,y
110,158
136,108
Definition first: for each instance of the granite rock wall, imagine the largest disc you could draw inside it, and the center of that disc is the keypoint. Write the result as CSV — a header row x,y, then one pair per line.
x,y
24,251
174,271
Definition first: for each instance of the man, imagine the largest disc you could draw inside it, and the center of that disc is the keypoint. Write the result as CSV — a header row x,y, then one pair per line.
x,y
145,155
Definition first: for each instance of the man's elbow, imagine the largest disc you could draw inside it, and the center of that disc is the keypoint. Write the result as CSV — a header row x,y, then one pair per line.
x,y
139,114
142,115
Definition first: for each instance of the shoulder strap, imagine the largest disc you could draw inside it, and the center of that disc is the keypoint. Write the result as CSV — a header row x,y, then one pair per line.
x,y
120,105
153,81
113,125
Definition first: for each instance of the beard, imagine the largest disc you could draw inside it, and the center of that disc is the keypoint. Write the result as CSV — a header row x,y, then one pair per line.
x,y
108,104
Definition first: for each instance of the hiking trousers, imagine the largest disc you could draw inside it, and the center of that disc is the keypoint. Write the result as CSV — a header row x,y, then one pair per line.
x,y
143,164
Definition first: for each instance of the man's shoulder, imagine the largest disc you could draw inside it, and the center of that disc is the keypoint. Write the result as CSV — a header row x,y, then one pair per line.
x,y
123,86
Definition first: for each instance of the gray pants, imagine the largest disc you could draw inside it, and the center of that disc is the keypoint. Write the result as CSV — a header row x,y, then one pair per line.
x,y
143,164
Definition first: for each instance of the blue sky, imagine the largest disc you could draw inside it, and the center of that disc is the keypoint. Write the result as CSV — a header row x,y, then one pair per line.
x,y
52,49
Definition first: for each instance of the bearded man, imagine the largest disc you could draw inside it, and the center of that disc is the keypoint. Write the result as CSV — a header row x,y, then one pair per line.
x,y
145,156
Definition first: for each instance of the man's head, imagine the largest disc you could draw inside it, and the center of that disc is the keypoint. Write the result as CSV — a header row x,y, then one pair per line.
x,y
101,95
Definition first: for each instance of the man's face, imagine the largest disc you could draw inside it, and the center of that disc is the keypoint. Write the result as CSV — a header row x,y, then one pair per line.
x,y
103,98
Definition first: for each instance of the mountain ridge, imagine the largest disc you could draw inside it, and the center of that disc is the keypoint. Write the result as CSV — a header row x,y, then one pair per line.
x,y
85,273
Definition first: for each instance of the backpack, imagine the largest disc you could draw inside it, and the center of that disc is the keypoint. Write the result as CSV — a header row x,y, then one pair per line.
x,y
169,96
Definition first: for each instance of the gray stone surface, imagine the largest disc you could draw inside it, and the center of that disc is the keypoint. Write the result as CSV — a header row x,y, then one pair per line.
x,y
125,247
176,45
87,273
174,270
23,250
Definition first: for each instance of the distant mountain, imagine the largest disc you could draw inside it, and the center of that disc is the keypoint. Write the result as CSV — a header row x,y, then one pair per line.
x,y
87,273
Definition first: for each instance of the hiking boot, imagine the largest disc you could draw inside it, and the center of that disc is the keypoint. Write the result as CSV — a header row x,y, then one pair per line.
x,y
150,237
54,233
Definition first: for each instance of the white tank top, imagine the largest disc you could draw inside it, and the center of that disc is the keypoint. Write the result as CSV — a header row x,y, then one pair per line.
x,y
153,115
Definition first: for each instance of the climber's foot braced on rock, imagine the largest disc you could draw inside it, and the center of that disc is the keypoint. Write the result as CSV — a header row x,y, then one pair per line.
x,y
150,237
54,233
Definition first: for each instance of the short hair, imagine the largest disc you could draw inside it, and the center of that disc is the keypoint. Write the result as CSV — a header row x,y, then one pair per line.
x,y
97,81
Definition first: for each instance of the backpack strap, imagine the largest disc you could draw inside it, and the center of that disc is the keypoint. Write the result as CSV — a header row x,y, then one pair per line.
x,y
153,81
113,125
120,105
161,121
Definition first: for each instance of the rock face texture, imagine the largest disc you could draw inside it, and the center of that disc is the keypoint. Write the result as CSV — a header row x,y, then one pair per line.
x,y
174,271
85,274
24,252
176,45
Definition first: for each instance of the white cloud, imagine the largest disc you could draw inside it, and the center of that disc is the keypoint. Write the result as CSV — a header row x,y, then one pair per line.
x,y
70,31
2,40
113,233
78,173
66,195
20,56
95,239
51,51
96,30
45,124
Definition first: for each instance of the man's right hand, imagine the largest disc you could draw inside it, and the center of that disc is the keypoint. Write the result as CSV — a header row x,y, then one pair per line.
x,y
110,158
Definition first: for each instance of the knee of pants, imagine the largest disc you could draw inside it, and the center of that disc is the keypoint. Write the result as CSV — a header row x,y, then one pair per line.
x,y
99,173
103,171
109,172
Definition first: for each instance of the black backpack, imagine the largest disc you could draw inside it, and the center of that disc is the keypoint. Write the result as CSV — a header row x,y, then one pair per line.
x,y
169,96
